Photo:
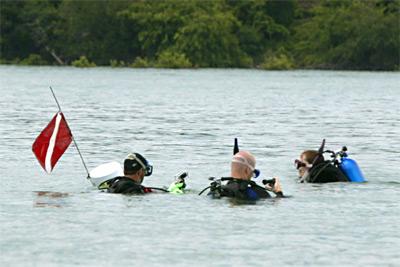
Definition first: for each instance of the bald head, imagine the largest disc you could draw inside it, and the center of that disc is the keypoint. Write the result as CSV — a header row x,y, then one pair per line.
x,y
242,165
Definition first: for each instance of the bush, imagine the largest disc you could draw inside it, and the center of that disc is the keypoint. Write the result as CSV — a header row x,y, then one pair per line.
x,y
33,59
277,61
169,59
3,61
140,63
83,62
14,61
245,61
117,64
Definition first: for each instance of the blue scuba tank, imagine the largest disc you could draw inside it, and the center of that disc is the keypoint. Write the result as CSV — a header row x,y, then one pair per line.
x,y
350,168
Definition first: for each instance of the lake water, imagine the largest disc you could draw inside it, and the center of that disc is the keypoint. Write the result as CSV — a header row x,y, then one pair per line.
x,y
187,120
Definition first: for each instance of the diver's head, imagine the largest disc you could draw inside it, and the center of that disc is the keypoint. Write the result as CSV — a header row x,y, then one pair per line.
x,y
243,165
306,161
136,167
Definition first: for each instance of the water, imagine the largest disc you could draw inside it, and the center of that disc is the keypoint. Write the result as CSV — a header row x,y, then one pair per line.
x,y
187,120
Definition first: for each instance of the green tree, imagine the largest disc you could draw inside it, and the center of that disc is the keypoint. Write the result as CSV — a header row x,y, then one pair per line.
x,y
261,29
204,31
29,27
208,38
350,35
42,21
94,29
283,12
156,23
338,34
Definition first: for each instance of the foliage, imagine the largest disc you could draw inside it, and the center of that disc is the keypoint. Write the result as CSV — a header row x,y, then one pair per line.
x,y
15,38
277,61
208,38
83,62
334,34
157,22
94,29
140,63
33,59
170,59
117,63
259,30
349,35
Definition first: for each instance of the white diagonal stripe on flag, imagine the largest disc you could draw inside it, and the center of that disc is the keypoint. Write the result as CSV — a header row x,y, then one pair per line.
x,y
52,143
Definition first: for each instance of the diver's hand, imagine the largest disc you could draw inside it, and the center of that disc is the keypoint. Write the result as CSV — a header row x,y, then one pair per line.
x,y
176,187
276,187
179,184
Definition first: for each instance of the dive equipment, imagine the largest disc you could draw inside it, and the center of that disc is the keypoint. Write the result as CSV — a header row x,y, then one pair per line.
x,y
178,186
350,167
133,159
256,173
340,159
236,147
215,184
105,172
241,160
270,182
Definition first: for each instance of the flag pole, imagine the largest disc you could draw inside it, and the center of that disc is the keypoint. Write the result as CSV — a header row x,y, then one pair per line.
x,y
73,139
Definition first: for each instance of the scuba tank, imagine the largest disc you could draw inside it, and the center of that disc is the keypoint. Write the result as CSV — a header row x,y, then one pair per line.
x,y
350,167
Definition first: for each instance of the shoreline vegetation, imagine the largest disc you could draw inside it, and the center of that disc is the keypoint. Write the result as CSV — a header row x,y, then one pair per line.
x,y
255,34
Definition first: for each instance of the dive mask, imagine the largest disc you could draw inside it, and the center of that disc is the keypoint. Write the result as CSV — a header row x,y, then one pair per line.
x,y
148,170
299,164
256,173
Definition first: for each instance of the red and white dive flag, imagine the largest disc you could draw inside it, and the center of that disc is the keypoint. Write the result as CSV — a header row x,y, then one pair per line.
x,y
52,142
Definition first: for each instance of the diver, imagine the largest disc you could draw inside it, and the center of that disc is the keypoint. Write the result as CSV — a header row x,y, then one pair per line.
x,y
239,185
313,168
136,167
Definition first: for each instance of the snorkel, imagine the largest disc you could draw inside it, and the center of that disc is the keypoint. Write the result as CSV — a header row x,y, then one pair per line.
x,y
320,153
235,147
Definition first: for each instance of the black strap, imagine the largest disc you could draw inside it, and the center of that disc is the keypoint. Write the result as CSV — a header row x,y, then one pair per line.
x,y
202,191
319,172
158,188
213,183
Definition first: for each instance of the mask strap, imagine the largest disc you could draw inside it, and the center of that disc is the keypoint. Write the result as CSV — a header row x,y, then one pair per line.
x,y
241,160
133,157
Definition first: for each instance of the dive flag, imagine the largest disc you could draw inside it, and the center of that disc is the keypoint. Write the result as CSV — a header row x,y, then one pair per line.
x,y
52,142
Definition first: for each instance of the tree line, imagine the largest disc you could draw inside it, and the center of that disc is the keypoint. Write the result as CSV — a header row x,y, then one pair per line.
x,y
267,34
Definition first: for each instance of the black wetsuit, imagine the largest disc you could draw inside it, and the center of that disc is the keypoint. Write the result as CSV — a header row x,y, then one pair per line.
x,y
241,189
124,185
325,172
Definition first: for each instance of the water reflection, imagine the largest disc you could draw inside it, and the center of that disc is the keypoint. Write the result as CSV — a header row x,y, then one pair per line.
x,y
50,199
